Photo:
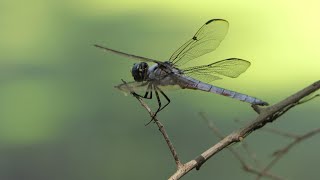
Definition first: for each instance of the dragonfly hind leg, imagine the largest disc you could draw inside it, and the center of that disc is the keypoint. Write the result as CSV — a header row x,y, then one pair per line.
x,y
160,108
166,97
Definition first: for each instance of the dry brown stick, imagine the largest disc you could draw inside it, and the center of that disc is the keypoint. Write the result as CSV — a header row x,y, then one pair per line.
x,y
160,126
163,132
280,153
297,138
246,148
244,165
266,115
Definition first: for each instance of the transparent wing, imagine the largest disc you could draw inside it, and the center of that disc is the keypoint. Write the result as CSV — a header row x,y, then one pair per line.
x,y
207,39
231,67
204,77
139,58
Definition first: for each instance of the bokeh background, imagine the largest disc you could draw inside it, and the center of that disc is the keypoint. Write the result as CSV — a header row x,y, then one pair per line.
x,y
61,118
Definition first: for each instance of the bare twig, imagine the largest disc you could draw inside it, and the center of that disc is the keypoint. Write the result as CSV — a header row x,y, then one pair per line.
x,y
163,132
280,153
297,138
160,126
245,166
265,116
281,133
273,130
245,147
309,98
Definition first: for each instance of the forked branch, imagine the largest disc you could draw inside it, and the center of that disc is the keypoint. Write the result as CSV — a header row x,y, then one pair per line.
x,y
266,115
246,167
281,152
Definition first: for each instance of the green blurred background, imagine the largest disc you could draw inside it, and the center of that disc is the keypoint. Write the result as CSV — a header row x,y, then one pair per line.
x,y
61,118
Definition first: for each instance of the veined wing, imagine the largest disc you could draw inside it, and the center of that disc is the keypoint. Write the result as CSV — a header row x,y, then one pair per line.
x,y
207,39
139,58
231,67
204,77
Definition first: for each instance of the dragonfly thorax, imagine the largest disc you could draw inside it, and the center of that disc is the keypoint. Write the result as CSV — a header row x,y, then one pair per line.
x,y
139,71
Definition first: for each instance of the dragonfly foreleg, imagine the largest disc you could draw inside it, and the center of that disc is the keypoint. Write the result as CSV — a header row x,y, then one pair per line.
x,y
149,90
159,104
160,108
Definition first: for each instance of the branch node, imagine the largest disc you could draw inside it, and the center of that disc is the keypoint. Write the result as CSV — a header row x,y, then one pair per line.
x,y
246,168
200,160
240,138
257,108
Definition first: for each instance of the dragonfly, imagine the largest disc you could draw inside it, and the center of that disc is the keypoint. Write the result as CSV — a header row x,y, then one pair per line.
x,y
174,72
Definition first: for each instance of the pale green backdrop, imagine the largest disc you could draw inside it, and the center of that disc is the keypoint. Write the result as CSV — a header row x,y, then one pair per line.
x,y
61,118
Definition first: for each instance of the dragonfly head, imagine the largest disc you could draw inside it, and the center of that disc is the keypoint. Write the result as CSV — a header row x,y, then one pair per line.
x,y
139,71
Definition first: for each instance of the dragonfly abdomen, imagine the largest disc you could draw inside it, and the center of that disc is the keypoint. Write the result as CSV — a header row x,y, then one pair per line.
x,y
232,94
198,85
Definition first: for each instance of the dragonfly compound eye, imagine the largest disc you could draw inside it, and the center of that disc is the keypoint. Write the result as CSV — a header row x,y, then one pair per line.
x,y
139,71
